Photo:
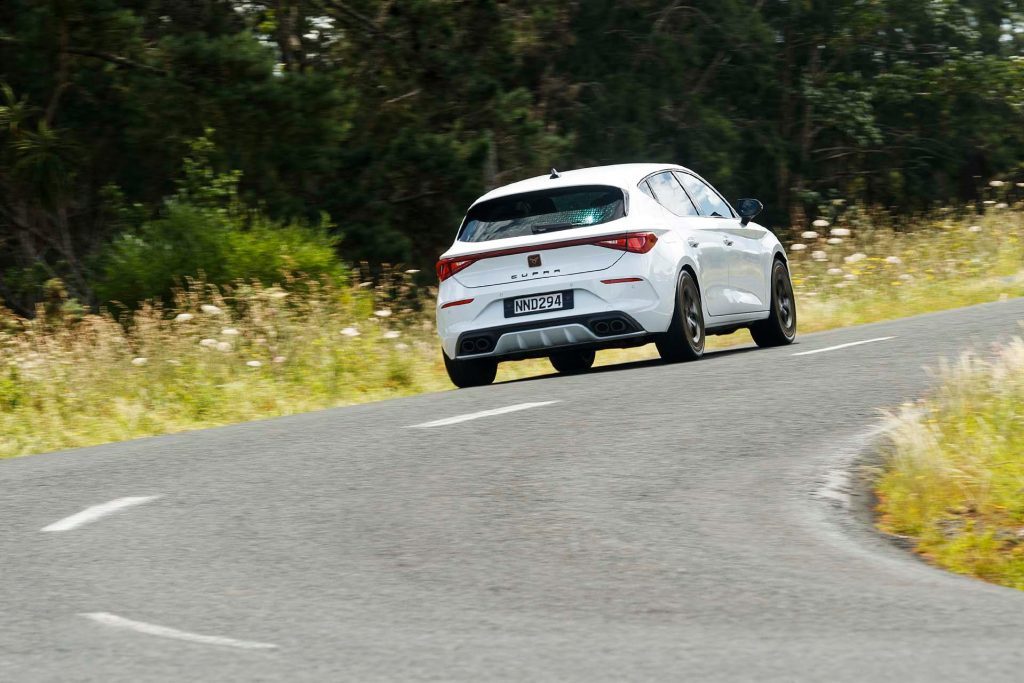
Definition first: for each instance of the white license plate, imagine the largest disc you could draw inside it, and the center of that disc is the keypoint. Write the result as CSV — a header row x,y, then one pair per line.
x,y
539,303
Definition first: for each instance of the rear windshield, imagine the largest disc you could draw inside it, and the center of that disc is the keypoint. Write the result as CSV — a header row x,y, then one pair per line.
x,y
537,213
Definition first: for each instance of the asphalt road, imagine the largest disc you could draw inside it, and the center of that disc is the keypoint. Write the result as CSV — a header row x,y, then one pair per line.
x,y
654,522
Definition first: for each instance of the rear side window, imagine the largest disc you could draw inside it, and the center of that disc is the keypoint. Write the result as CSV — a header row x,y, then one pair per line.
x,y
536,213
708,201
670,195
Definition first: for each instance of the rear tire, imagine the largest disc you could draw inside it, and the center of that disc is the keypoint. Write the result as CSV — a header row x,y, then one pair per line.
x,y
684,340
779,328
470,373
573,361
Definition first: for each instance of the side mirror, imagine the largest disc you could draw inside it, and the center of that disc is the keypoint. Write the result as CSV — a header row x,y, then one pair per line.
x,y
748,210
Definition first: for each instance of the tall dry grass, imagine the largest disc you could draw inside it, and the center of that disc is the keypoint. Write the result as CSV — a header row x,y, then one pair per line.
x,y
954,477
217,356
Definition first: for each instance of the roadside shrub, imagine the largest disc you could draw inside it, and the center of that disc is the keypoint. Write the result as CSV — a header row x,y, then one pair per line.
x,y
193,241
206,232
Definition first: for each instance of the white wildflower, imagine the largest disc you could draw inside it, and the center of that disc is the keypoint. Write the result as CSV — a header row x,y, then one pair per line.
x,y
183,317
835,240
392,334
210,309
229,332
350,332
893,260
835,271
412,271
798,247
989,202
208,343
401,347
1020,184
364,285
809,235
839,232
819,255
821,223
140,361
974,228
279,359
996,183
175,363
223,346
254,363
383,313
849,276
854,258
279,294
1002,205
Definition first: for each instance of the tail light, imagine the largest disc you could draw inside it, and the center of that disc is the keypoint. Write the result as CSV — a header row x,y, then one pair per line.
x,y
447,267
633,242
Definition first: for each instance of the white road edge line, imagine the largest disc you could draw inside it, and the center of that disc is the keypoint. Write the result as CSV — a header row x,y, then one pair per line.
x,y
96,511
483,413
115,621
843,346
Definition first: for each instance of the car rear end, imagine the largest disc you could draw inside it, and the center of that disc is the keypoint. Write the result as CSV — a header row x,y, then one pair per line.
x,y
541,271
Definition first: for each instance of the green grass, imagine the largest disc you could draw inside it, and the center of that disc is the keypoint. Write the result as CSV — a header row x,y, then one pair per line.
x,y
954,477
68,380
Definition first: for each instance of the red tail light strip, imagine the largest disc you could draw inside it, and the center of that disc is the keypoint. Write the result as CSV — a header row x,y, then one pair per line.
x,y
460,302
634,242
620,280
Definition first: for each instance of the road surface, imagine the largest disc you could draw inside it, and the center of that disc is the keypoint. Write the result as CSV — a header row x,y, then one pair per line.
x,y
635,523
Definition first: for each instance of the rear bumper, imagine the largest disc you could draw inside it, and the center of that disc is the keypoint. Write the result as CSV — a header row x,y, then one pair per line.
x,y
540,337
642,292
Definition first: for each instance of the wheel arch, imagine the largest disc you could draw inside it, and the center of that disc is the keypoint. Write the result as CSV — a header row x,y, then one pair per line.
x,y
689,265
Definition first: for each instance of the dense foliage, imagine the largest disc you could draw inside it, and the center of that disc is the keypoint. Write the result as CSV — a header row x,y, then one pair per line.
x,y
384,118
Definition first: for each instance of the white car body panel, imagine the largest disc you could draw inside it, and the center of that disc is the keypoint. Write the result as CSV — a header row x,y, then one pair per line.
x,y
731,263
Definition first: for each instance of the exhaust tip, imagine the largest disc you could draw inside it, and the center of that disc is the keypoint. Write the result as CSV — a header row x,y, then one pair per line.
x,y
468,346
483,344
601,327
617,326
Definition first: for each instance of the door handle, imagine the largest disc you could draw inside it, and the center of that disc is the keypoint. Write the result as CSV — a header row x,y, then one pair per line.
x,y
728,242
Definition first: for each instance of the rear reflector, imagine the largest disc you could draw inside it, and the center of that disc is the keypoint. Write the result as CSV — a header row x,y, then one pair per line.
x,y
620,280
460,302
633,242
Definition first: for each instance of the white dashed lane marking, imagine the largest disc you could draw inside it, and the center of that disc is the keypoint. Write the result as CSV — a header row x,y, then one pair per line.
x,y
115,621
483,413
843,346
97,511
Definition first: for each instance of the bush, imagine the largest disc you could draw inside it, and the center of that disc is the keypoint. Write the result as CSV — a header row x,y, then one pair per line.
x,y
205,232
193,241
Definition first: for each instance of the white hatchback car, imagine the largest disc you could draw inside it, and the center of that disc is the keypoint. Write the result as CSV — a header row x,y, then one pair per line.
x,y
612,256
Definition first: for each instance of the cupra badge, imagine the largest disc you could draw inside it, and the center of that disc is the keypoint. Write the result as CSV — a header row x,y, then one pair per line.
x,y
533,260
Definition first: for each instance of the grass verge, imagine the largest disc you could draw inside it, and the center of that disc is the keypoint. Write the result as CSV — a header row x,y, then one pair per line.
x,y
248,352
954,475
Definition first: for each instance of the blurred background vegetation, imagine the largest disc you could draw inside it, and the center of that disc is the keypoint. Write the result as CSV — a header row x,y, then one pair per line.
x,y
146,141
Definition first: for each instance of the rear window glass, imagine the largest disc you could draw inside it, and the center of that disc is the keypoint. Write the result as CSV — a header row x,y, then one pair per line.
x,y
537,213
